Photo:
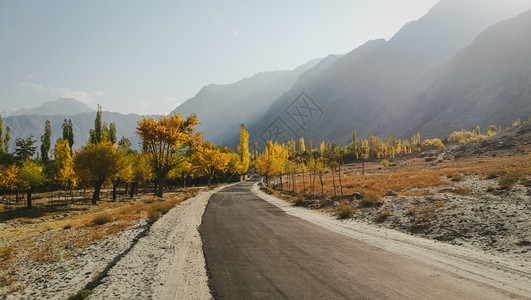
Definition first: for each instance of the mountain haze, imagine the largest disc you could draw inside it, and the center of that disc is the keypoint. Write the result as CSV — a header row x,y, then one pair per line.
x,y
61,106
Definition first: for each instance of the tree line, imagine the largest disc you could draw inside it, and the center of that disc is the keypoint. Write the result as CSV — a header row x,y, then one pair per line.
x,y
172,151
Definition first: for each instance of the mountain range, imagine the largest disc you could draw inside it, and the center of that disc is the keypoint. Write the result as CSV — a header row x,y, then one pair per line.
x,y
465,63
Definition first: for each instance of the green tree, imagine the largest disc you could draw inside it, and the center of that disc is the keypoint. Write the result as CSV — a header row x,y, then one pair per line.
x,y
243,149
96,164
25,148
112,133
96,134
31,177
6,140
46,141
124,143
68,134
163,140
1,131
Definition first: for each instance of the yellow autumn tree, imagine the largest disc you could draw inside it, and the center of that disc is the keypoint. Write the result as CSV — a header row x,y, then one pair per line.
x,y
208,160
272,162
163,141
243,150
64,166
8,178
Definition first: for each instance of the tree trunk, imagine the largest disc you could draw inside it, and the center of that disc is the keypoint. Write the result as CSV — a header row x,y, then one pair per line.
x,y
96,195
114,186
29,199
16,197
156,187
209,180
132,190
160,191
321,180
334,182
281,186
340,184
303,183
126,188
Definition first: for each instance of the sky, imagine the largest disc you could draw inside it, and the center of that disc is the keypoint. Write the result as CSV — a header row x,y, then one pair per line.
x,y
147,57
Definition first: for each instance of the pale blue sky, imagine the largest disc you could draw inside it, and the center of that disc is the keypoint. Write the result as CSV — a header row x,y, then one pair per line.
x,y
148,56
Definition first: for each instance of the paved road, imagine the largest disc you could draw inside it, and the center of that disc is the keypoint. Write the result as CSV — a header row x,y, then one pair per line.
x,y
254,250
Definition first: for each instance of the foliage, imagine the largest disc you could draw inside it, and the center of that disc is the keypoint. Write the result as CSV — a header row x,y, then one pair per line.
x,y
273,160
112,133
68,133
163,139
433,143
97,163
46,141
96,134
64,165
8,177
385,163
465,137
30,176
6,140
243,150
207,160
25,148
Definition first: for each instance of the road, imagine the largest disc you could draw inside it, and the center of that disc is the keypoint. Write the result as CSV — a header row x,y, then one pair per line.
x,y
253,250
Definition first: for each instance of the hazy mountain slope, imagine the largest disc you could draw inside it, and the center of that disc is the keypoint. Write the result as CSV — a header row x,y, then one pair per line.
x,y
61,106
222,108
26,125
361,89
489,82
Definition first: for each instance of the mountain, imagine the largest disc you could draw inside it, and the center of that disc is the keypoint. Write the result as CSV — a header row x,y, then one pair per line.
x,y
486,83
222,108
61,106
363,89
26,125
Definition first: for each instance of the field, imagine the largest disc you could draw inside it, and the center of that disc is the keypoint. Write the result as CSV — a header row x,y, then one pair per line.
x,y
55,233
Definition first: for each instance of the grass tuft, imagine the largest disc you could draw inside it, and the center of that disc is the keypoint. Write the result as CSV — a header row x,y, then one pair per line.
x,y
464,190
370,200
101,219
507,181
81,295
299,200
382,216
344,210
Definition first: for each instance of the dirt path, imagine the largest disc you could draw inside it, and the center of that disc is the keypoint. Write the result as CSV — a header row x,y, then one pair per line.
x,y
255,249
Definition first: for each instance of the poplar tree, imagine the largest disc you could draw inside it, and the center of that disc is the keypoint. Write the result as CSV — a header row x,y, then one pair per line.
x,y
68,133
46,141
96,133
243,149
1,131
302,147
112,133
6,140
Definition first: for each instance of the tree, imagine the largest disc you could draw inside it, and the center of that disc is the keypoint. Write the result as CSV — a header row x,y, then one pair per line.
x,y
46,141
141,170
243,149
302,147
208,160
31,177
125,173
112,133
68,133
124,143
272,161
6,140
96,164
64,166
8,177
25,148
162,140
1,131
97,133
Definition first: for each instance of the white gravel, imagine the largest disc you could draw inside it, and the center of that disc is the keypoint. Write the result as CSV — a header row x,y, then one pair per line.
x,y
167,263
509,274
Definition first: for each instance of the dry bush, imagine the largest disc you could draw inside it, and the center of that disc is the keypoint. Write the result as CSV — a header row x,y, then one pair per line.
x,y
507,181
299,200
385,163
463,190
7,253
344,210
382,216
369,200
491,175
457,177
101,219
153,216
491,189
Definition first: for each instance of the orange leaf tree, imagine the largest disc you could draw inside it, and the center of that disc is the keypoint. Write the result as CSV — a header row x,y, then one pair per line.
x,y
164,140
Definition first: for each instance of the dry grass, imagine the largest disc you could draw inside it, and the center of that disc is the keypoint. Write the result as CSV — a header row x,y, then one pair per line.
x,y
382,216
462,190
53,233
507,181
369,200
299,200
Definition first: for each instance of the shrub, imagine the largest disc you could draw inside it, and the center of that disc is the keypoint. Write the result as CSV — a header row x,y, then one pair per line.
x,y
385,163
370,200
299,200
344,210
507,181
491,175
153,216
81,295
6,253
381,217
457,177
462,190
102,219
491,189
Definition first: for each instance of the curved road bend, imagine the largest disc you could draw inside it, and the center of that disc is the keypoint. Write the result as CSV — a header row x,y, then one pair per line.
x,y
255,250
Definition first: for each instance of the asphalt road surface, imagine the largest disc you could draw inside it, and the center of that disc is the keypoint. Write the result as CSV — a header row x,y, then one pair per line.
x,y
255,250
